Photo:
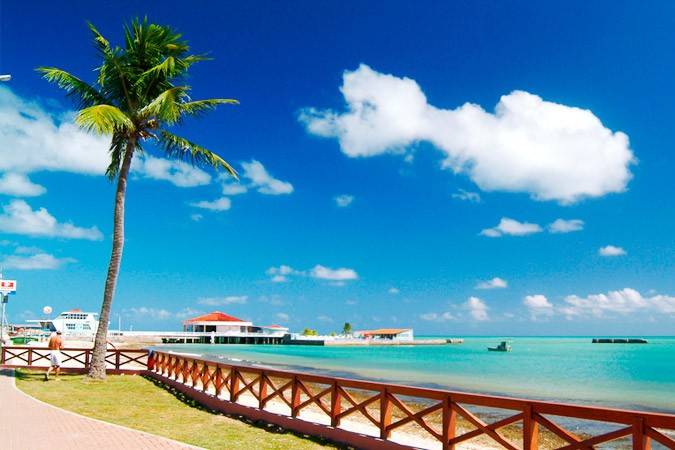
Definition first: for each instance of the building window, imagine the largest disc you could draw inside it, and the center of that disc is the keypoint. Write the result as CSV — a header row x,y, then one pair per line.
x,y
70,326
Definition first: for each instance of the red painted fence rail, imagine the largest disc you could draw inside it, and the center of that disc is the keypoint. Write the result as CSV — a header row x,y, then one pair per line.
x,y
396,416
388,408
74,360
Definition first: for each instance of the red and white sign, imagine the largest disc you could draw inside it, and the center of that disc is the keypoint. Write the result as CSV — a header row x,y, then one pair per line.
x,y
7,285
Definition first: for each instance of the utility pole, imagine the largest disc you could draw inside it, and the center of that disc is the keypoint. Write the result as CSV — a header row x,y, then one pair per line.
x,y
3,317
3,300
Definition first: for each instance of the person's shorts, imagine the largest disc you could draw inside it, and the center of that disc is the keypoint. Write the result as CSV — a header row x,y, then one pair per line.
x,y
55,358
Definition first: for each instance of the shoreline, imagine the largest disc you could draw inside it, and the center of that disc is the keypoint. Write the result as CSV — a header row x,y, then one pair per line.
x,y
365,377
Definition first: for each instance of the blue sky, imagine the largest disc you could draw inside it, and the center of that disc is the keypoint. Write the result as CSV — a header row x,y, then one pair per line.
x,y
403,165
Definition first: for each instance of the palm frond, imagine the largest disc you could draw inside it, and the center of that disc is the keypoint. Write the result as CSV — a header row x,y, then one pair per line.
x,y
197,107
104,119
178,147
166,106
102,43
85,94
168,69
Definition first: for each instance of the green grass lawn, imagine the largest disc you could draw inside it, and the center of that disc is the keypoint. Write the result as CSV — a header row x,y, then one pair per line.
x,y
139,403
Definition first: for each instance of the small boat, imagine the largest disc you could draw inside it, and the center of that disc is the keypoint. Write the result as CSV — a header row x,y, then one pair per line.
x,y
502,347
22,340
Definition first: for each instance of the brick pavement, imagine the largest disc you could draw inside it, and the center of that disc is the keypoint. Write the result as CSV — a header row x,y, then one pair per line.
x,y
27,424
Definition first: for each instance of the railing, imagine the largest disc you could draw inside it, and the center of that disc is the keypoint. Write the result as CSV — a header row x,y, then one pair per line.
x,y
73,359
394,416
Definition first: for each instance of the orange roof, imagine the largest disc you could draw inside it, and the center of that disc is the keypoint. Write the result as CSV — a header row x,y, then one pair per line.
x,y
75,310
383,331
215,316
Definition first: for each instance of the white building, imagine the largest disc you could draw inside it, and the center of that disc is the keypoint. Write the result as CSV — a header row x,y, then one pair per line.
x,y
220,328
217,322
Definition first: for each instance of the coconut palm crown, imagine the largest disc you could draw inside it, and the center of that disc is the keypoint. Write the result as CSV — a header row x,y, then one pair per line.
x,y
138,96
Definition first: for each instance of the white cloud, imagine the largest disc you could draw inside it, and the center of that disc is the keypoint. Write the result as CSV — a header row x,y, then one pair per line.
x,y
494,283
394,291
624,302
254,176
283,317
196,217
324,318
148,312
344,200
152,313
472,197
37,261
19,218
337,277
264,182
280,274
611,250
566,226
219,204
477,308
222,301
233,187
35,139
538,305
436,317
187,312
340,274
179,173
511,227
550,150
18,185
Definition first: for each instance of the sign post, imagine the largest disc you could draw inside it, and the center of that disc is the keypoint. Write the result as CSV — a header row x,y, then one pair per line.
x,y
6,287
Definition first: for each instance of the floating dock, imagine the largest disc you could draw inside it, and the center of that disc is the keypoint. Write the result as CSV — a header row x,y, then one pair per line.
x,y
619,341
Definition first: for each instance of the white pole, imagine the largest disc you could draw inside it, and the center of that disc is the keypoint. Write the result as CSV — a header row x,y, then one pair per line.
x,y
2,320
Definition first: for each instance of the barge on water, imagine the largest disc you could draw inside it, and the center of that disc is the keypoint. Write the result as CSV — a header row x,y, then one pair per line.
x,y
619,341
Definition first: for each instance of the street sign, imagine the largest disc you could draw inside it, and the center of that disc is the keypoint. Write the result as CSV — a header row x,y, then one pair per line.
x,y
7,286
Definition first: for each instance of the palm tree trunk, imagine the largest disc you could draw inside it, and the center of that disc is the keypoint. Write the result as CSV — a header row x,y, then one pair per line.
x,y
97,367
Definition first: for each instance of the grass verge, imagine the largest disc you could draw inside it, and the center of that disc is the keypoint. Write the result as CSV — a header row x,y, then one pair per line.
x,y
139,403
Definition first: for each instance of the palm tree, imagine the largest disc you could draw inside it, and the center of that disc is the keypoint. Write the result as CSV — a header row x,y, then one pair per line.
x,y
138,95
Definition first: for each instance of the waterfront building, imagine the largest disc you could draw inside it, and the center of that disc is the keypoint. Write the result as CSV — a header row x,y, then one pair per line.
x,y
399,334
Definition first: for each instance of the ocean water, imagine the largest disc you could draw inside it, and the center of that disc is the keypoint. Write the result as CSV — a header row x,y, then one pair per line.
x,y
634,376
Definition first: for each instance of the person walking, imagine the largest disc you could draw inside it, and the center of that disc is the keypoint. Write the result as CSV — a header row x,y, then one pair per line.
x,y
55,345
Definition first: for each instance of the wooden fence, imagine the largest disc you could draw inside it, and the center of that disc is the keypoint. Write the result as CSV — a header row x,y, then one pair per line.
x,y
74,360
401,416
375,415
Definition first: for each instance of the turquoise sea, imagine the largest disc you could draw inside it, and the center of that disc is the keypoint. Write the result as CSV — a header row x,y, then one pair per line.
x,y
635,376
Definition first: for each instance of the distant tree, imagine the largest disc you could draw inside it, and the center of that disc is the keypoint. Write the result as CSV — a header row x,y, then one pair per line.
x,y
137,98
309,332
347,329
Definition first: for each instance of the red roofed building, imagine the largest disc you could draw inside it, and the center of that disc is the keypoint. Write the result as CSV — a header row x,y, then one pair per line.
x,y
217,322
399,334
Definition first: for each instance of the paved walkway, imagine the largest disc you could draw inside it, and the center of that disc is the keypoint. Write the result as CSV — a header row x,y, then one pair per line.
x,y
27,423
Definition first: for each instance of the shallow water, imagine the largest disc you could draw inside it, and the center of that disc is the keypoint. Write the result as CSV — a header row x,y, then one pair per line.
x,y
635,376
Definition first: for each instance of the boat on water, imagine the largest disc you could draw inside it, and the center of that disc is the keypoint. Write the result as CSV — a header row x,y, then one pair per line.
x,y
503,346
71,323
